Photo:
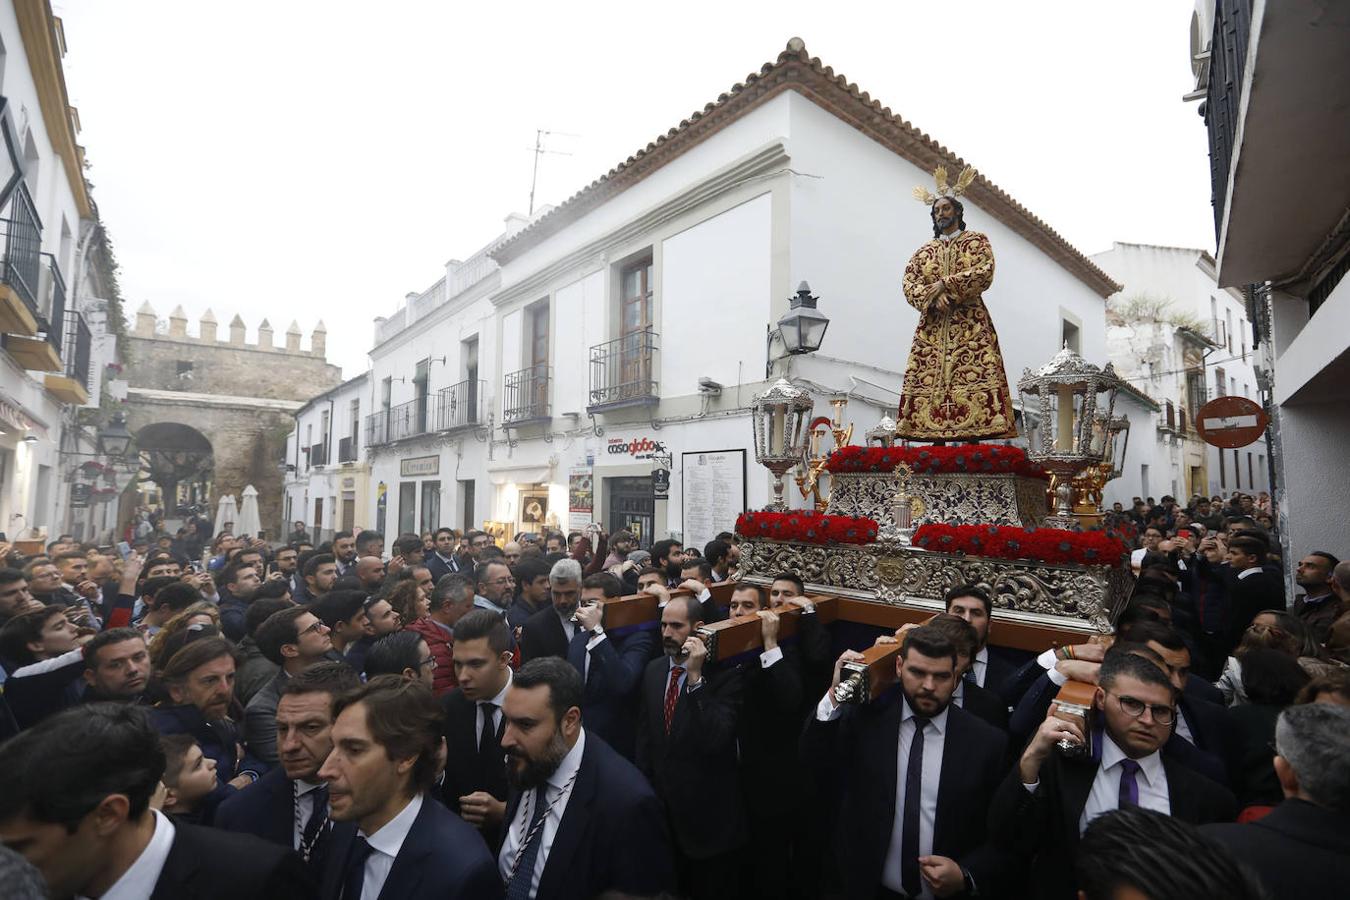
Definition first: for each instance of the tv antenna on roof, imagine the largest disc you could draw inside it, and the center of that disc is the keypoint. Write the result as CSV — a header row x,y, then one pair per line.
x,y
539,150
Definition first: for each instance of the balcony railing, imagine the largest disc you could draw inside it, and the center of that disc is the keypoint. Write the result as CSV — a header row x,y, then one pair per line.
x,y
76,355
23,248
347,449
318,455
527,395
623,371
54,287
457,406
1223,97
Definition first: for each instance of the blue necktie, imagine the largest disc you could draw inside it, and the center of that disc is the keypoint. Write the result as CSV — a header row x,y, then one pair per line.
x,y
519,887
1129,787
354,873
909,835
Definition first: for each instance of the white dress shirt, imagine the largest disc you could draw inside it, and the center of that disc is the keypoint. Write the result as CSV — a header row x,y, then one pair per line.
x,y
138,881
1252,571
1105,793
981,665
305,806
496,713
385,845
934,738
558,791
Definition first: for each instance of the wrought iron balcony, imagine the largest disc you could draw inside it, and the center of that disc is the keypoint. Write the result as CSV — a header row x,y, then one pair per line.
x,y
623,371
347,449
41,349
527,396
456,406
73,384
318,455
23,248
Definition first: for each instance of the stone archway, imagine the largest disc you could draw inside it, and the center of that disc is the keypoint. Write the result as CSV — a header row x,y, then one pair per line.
x,y
179,460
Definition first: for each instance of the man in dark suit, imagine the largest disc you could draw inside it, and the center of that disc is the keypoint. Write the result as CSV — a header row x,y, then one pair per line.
x,y
971,602
968,695
924,833
289,805
1302,847
392,840
474,785
1048,798
551,629
295,639
582,820
1251,587
686,745
611,666
442,560
75,799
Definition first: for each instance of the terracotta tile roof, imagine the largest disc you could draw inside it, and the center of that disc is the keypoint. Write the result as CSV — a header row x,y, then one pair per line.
x,y
796,70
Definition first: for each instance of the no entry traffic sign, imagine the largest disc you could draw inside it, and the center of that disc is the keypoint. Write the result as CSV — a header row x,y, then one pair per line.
x,y
1231,422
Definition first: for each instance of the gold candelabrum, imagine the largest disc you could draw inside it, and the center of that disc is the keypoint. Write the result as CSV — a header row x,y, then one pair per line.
x,y
810,469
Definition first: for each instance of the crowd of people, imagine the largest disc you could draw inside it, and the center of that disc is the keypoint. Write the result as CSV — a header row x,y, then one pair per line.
x,y
454,718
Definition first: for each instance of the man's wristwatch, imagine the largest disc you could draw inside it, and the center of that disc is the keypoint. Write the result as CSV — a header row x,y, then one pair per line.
x,y
970,889
598,630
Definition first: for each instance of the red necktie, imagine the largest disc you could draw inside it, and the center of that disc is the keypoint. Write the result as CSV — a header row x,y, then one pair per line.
x,y
672,694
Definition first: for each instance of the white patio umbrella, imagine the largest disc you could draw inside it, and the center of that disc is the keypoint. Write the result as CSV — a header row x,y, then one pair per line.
x,y
226,512
248,521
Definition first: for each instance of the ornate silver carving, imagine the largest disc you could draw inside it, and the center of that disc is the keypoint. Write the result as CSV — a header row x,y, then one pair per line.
x,y
957,499
709,638
1081,597
853,684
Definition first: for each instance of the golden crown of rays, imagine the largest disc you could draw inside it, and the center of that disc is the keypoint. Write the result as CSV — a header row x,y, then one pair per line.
x,y
927,197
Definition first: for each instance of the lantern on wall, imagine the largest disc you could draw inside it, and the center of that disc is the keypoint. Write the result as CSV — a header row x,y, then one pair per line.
x,y
780,417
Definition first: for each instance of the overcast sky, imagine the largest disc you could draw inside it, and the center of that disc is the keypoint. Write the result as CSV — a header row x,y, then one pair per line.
x,y
319,160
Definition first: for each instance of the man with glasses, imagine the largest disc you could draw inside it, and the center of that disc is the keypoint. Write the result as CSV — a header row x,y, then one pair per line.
x,y
1045,803
496,587
294,639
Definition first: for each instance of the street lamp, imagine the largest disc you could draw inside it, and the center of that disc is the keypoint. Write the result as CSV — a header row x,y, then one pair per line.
x,y
113,439
802,327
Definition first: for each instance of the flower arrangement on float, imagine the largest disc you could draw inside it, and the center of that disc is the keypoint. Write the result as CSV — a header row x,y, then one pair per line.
x,y
1047,545
971,459
807,527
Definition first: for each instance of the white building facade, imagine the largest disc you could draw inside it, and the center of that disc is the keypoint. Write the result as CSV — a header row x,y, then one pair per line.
x,y
1175,335
58,305
1274,79
543,380
327,473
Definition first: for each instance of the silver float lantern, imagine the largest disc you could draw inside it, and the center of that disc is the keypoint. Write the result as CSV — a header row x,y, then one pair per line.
x,y
1074,396
781,416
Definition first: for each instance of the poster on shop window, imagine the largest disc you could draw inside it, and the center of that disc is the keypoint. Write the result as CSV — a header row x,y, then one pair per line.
x,y
712,493
580,499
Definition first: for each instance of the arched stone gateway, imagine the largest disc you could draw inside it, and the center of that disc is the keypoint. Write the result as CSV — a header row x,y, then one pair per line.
x,y
212,416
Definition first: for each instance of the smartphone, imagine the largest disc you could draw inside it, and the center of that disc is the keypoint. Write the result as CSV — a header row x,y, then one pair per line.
x,y
1184,534
123,549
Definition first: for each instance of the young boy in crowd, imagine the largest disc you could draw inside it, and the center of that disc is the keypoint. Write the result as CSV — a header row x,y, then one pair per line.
x,y
189,776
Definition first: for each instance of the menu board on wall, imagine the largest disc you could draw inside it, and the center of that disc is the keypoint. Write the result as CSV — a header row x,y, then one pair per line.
x,y
712,493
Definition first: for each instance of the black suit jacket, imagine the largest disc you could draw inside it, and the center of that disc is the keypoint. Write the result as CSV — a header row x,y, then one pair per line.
x,y
694,768
210,864
613,834
997,673
1247,597
1043,825
863,745
542,635
986,705
266,809
768,729
467,770
1297,850
442,858
613,678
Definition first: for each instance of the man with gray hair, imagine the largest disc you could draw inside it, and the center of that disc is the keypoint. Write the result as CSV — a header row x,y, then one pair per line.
x,y
1338,640
550,630
1302,847
450,600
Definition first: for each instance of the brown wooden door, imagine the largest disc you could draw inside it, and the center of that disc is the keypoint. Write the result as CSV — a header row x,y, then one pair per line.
x,y
635,318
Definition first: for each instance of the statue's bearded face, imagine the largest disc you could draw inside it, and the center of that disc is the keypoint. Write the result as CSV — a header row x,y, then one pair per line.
x,y
945,214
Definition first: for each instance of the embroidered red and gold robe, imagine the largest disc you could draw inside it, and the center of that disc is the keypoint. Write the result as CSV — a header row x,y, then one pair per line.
x,y
954,385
